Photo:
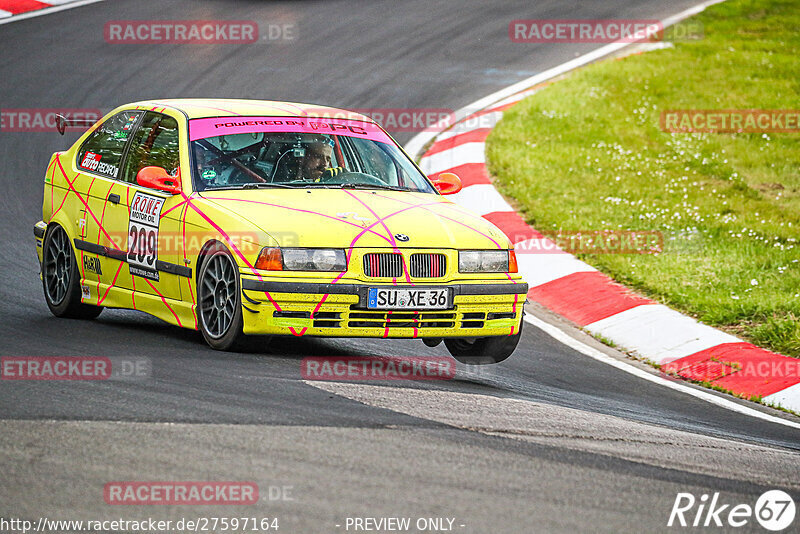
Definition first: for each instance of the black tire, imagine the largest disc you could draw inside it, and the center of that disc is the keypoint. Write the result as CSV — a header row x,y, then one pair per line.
x,y
483,350
219,307
61,279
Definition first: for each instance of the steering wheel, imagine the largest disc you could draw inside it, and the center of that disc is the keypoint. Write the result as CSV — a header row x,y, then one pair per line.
x,y
244,176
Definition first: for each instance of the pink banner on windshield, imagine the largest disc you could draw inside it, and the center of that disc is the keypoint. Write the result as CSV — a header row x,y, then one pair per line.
x,y
212,127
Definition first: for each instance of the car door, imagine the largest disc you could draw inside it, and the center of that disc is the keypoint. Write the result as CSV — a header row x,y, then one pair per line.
x,y
98,164
148,223
136,228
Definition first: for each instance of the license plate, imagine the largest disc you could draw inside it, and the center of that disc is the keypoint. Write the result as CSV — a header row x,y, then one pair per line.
x,y
408,299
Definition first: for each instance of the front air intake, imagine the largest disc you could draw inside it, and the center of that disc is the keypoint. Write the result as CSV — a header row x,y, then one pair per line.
x,y
428,265
383,265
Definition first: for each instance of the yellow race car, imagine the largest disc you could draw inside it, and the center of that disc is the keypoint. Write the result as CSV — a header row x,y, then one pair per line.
x,y
240,217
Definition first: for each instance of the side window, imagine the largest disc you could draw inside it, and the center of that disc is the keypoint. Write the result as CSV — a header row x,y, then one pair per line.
x,y
102,150
155,143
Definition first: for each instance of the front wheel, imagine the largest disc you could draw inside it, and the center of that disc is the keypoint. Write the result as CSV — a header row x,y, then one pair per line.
x,y
219,302
61,280
483,350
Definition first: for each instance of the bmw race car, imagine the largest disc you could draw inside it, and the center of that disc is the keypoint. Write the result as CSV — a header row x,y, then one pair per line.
x,y
238,217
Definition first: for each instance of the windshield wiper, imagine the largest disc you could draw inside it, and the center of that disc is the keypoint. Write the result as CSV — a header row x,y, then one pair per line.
x,y
253,185
372,186
259,185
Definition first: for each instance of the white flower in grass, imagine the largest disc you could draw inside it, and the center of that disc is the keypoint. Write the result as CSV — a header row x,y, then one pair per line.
x,y
753,282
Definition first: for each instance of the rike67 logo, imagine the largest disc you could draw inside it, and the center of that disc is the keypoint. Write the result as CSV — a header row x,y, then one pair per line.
x,y
774,510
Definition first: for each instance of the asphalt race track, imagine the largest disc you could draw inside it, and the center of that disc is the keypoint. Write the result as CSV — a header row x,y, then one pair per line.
x,y
548,441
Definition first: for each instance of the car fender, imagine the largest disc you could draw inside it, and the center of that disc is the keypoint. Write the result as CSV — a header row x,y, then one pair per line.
x,y
208,223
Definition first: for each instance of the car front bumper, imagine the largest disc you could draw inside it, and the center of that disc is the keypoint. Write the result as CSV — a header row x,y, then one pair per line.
x,y
340,310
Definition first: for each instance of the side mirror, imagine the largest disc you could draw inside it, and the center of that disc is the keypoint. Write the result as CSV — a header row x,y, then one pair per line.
x,y
157,178
447,183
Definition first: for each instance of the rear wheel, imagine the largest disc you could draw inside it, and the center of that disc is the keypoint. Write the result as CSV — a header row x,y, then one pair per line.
x,y
61,280
483,350
219,302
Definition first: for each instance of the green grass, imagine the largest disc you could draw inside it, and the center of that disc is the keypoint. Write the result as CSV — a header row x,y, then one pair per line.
x,y
587,153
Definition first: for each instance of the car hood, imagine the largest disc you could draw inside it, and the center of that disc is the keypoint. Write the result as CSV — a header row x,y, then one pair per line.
x,y
359,218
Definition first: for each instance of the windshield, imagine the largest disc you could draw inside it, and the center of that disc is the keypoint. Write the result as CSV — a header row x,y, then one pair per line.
x,y
269,152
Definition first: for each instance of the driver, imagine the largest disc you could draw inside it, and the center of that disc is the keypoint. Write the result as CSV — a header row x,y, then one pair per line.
x,y
316,160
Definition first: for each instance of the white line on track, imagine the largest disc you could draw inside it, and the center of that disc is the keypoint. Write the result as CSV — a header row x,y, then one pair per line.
x,y
415,145
414,148
564,338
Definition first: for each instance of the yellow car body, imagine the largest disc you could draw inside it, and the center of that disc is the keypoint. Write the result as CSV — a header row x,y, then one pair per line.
x,y
95,207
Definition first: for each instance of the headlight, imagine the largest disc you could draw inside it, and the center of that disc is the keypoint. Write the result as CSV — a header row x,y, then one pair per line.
x,y
302,259
486,261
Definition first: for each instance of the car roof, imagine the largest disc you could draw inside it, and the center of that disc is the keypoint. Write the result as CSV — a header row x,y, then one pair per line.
x,y
198,108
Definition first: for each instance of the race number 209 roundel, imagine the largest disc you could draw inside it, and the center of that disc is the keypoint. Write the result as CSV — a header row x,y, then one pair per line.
x,y
143,235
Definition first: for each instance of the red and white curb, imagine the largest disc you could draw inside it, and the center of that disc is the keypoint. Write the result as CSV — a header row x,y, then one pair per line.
x,y
13,10
580,293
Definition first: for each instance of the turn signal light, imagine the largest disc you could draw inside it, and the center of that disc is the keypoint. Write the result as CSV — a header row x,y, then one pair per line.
x,y
512,262
270,259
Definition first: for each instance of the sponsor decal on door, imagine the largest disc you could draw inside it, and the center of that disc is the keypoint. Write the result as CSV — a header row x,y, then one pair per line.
x,y
143,235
